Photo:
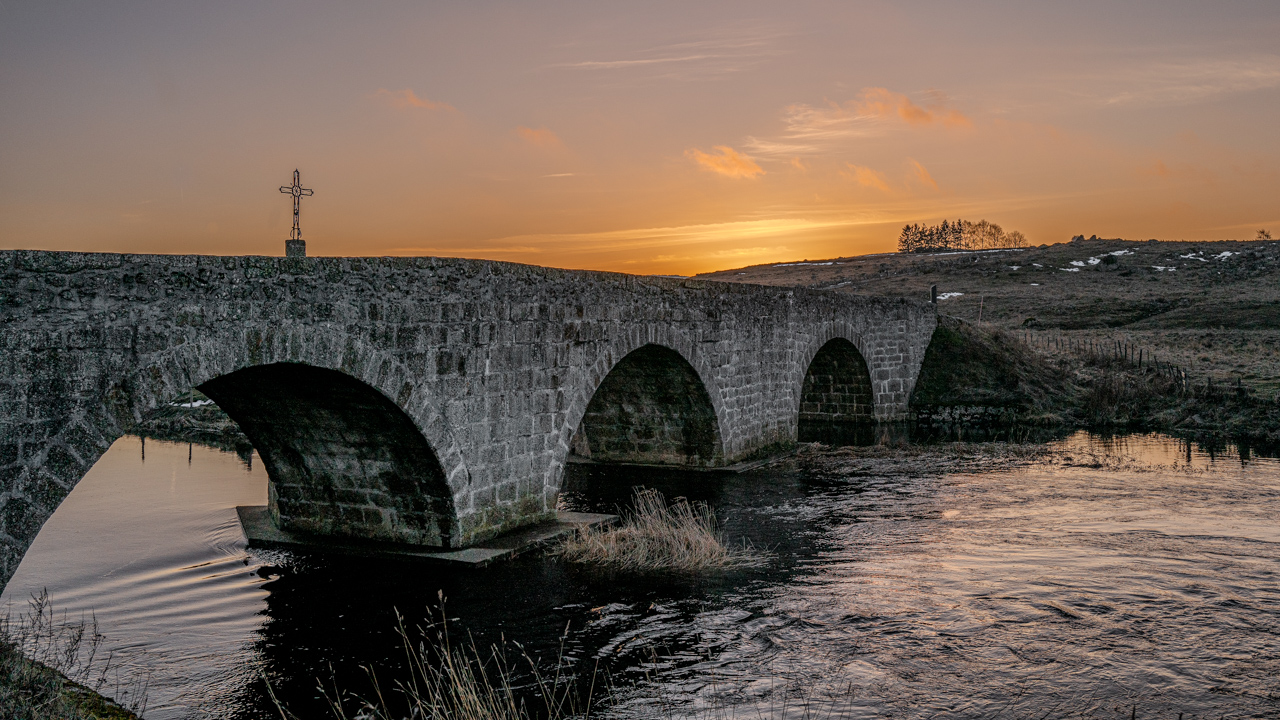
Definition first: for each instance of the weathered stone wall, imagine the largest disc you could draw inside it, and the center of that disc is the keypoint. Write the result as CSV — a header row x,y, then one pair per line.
x,y
493,363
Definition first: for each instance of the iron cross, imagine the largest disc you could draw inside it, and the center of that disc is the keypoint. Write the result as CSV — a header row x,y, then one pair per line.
x,y
297,191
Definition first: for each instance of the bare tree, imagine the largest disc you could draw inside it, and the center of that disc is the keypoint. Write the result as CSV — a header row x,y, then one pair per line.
x,y
958,235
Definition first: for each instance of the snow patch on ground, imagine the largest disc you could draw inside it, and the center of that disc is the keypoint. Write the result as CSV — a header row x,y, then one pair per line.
x,y
1096,260
803,263
1193,256
1224,255
948,296
1162,268
971,252
1015,267
1069,269
196,404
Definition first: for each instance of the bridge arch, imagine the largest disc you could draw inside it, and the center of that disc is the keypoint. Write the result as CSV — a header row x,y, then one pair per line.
x,y
94,423
342,458
644,358
836,394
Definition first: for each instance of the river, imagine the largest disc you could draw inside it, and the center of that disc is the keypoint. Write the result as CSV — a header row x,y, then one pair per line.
x,y
1108,577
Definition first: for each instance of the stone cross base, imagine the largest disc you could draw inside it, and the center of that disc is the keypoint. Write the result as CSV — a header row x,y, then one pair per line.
x,y
295,248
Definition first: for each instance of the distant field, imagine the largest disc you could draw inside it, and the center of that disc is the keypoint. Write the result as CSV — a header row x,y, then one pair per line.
x,y
1212,307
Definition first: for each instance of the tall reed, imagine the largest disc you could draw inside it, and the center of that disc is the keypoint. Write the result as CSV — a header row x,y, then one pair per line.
x,y
656,536
460,682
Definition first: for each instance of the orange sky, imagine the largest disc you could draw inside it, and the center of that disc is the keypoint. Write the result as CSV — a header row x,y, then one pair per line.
x,y
648,138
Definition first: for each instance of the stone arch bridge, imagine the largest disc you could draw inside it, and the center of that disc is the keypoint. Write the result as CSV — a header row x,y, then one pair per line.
x,y
423,400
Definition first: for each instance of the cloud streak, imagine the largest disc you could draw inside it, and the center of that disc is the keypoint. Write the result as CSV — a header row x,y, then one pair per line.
x,y
866,114
616,64
539,137
922,174
406,98
728,162
812,129
866,177
723,52
1173,83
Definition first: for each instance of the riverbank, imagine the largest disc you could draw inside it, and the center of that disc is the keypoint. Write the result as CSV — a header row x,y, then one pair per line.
x,y
978,376
50,681
33,691
195,418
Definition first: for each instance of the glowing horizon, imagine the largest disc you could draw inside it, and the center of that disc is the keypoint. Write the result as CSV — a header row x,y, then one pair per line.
x,y
660,139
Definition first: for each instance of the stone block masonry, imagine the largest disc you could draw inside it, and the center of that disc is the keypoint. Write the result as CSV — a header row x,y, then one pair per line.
x,y
423,400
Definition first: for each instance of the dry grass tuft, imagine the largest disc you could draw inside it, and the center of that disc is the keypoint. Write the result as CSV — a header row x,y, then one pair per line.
x,y
452,682
50,669
657,536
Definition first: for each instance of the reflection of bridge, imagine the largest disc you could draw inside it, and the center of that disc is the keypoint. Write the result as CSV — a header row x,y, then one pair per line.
x,y
423,400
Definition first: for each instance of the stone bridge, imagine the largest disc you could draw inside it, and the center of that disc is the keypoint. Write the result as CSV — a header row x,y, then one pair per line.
x,y
424,400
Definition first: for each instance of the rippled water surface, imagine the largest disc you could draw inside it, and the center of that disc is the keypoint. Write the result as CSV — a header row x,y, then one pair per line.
x,y
1136,572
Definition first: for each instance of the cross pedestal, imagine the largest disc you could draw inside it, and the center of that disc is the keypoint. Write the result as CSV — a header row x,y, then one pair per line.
x,y
295,248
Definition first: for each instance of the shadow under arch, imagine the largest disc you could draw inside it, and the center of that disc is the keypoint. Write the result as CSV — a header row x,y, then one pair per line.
x,y
342,458
837,406
652,408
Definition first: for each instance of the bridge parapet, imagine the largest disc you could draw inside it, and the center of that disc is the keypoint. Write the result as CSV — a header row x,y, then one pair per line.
x,y
494,364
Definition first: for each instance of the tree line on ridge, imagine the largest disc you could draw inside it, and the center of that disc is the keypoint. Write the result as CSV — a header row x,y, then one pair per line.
x,y
958,235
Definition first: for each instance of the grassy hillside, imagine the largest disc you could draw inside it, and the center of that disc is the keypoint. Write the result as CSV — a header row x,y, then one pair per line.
x,y
977,366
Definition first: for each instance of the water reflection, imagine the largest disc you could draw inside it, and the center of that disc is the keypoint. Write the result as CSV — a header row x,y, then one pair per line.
x,y
149,542
1087,585
1157,449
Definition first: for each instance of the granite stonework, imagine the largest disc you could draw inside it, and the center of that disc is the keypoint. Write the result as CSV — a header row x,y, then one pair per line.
x,y
422,400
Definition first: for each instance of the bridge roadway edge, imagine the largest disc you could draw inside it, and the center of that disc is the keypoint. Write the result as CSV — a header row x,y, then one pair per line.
x,y
493,362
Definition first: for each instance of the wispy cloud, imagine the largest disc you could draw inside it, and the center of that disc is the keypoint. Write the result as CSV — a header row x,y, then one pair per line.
x,y
722,52
682,249
884,103
1172,83
867,114
729,162
866,177
813,129
539,137
1179,171
406,98
922,174
777,148
616,64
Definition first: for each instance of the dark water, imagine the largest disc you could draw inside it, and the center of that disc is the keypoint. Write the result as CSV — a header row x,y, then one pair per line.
x,y
1052,591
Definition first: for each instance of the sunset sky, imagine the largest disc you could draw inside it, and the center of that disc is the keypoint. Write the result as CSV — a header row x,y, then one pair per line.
x,y
643,137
